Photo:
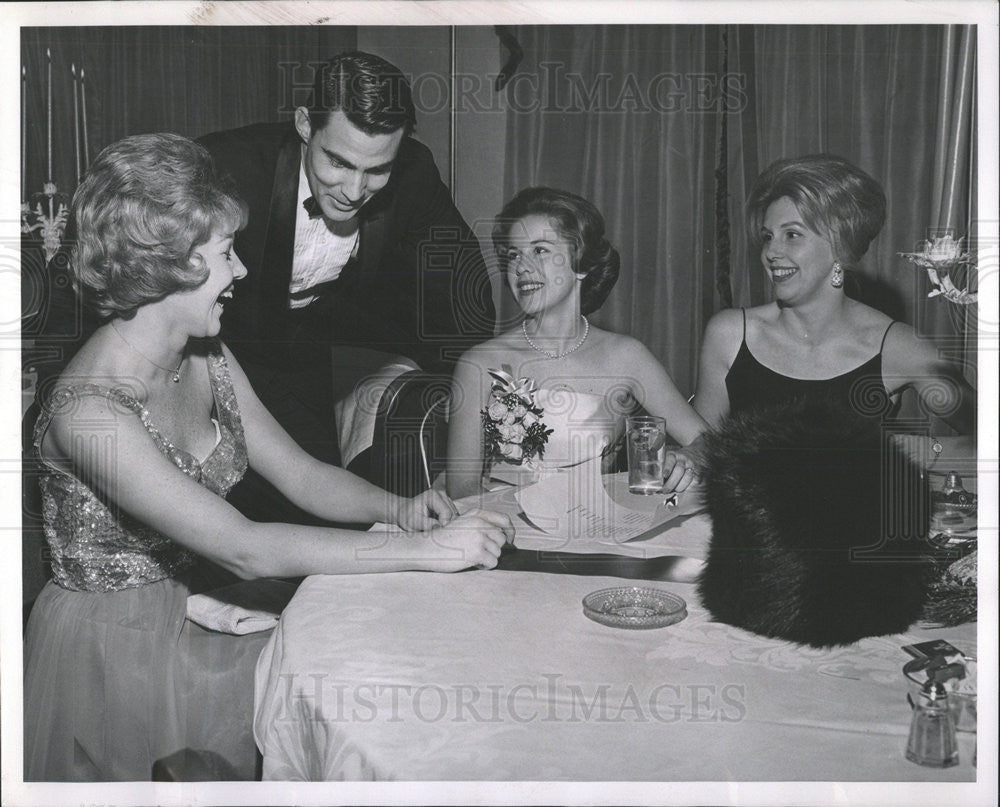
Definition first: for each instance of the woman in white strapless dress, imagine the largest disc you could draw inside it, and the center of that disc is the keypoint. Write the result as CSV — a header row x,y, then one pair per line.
x,y
583,426
581,379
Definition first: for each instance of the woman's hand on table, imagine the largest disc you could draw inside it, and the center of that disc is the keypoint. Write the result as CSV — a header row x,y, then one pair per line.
x,y
432,508
679,471
473,539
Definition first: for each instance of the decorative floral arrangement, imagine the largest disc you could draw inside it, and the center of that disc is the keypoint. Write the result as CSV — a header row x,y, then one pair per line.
x,y
512,422
952,598
939,257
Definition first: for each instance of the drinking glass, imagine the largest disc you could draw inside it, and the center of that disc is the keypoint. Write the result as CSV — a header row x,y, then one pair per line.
x,y
647,439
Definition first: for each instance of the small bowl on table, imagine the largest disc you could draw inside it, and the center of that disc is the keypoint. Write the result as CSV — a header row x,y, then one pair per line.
x,y
634,607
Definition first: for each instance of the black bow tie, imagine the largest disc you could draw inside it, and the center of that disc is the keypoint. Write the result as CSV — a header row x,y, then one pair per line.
x,y
312,208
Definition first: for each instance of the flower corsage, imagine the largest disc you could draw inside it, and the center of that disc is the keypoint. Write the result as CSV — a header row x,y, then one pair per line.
x,y
512,426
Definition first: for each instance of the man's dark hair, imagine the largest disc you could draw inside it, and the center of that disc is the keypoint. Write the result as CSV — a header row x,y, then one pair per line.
x,y
371,92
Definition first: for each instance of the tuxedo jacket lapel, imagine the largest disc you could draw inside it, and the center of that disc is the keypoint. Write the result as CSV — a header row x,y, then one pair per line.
x,y
370,242
276,263
279,242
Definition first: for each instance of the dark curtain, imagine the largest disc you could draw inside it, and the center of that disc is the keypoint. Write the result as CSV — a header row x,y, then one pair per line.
x,y
899,102
627,116
186,79
896,100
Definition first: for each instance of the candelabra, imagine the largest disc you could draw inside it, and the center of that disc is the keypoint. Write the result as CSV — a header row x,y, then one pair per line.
x,y
45,213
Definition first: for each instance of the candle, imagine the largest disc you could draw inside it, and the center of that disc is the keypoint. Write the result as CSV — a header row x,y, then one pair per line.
x,y
24,131
83,104
48,94
76,123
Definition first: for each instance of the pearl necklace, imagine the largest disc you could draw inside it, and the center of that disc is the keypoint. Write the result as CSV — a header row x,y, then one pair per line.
x,y
175,374
586,330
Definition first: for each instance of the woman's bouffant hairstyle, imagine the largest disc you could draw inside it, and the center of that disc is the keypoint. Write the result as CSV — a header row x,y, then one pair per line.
x,y
373,94
580,223
146,203
834,197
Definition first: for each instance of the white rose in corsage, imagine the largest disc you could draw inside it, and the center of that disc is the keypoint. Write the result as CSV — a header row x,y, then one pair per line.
x,y
513,430
513,453
938,257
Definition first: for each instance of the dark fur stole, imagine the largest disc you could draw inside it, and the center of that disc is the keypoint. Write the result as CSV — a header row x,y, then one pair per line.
x,y
819,526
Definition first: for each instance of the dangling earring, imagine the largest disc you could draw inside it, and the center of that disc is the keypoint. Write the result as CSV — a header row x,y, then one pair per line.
x,y
838,275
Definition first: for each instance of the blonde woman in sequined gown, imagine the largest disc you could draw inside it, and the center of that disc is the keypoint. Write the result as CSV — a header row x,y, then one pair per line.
x,y
145,432
560,267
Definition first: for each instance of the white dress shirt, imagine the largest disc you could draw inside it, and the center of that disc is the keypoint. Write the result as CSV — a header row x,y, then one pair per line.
x,y
319,255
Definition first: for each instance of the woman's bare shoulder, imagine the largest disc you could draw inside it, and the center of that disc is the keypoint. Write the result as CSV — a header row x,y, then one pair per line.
x,y
759,315
869,325
611,340
91,374
618,348
493,352
81,396
863,313
724,331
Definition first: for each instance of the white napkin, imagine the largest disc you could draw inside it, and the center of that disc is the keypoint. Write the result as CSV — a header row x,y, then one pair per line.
x,y
355,414
246,607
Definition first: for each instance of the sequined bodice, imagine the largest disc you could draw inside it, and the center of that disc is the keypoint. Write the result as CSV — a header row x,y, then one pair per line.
x,y
95,547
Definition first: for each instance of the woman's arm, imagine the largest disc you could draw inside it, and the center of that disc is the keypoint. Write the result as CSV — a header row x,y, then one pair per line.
x,y
655,390
129,472
465,429
327,491
908,361
718,350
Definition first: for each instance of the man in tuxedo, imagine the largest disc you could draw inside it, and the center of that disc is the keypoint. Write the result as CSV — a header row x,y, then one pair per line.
x,y
352,239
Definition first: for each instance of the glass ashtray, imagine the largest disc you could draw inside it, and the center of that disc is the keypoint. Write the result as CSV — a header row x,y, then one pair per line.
x,y
634,607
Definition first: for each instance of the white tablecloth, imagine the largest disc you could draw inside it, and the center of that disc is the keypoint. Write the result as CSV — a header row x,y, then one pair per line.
x,y
500,676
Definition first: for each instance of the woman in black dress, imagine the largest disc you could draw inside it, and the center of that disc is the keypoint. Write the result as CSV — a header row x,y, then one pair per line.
x,y
812,219
819,521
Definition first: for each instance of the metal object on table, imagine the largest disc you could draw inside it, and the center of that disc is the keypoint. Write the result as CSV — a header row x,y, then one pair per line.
x,y
948,672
